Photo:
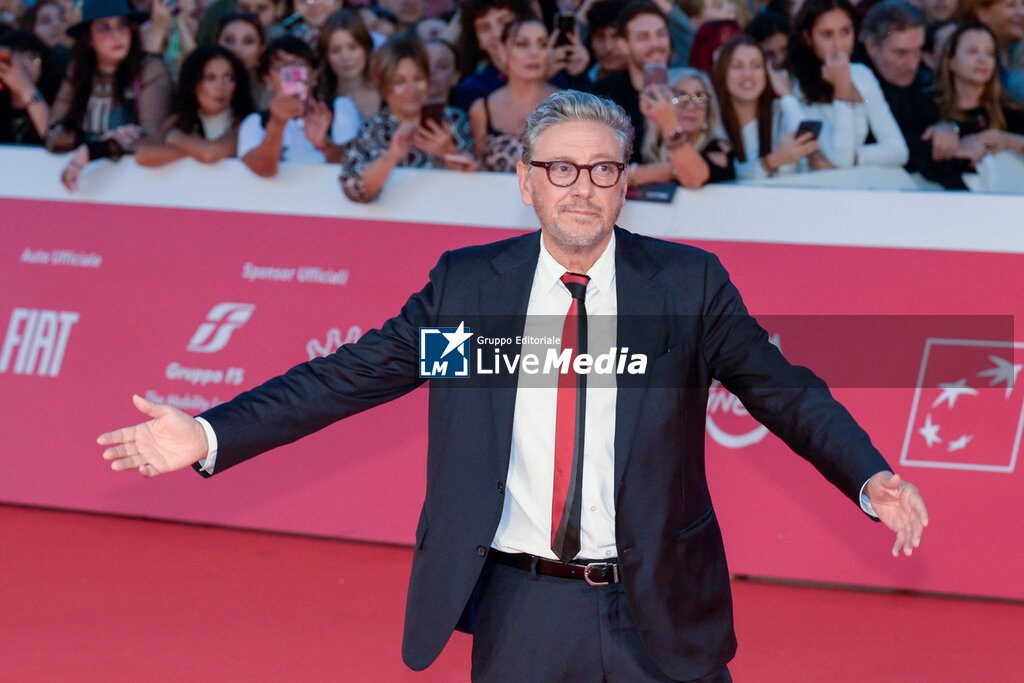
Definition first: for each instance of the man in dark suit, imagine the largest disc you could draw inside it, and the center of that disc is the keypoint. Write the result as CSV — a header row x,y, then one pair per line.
x,y
625,578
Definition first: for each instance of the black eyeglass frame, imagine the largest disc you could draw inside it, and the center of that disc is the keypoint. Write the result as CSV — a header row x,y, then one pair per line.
x,y
546,165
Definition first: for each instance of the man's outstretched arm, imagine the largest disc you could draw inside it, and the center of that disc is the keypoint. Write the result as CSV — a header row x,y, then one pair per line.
x,y
170,441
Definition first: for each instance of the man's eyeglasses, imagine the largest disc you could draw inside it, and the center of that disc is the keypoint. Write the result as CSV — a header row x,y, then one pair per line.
x,y
692,99
564,173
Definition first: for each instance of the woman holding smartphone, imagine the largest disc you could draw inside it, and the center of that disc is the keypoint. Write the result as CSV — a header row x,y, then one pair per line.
x,y
498,119
212,99
404,133
680,137
845,97
760,114
113,94
296,126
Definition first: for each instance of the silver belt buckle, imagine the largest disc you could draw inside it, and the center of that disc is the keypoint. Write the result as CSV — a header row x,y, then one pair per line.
x,y
615,573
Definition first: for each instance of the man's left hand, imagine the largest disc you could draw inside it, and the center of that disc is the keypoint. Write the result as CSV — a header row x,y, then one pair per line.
x,y
900,507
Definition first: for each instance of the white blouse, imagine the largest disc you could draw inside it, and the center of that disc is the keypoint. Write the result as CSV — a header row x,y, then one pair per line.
x,y
846,124
787,113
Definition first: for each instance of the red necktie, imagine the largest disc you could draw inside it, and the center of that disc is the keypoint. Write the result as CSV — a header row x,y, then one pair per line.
x,y
566,498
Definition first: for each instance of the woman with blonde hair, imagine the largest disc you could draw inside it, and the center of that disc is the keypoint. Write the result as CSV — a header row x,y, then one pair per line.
x,y
681,137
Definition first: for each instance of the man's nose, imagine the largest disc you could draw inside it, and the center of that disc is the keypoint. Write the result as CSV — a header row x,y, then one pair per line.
x,y
584,186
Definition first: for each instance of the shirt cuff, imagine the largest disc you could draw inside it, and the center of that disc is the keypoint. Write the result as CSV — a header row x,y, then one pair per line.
x,y
865,502
210,462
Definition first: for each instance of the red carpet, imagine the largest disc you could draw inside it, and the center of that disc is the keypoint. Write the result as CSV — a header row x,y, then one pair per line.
x,y
93,598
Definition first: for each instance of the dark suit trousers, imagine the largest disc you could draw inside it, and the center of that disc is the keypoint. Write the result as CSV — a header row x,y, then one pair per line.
x,y
544,629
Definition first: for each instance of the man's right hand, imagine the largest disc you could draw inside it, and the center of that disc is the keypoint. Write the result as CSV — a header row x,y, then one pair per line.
x,y
171,441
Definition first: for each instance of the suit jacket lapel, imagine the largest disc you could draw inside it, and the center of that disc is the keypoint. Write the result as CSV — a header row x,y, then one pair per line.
x,y
641,301
505,294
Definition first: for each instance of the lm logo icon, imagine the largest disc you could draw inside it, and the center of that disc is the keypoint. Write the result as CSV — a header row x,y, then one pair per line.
x,y
444,351
221,321
40,338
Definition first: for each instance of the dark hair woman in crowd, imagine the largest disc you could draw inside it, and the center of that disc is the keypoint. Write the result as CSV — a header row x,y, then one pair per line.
x,y
345,47
46,20
242,34
402,134
771,31
969,94
112,94
30,78
483,22
759,125
212,99
858,127
498,119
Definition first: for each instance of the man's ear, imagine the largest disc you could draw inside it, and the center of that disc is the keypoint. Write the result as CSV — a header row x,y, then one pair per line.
x,y
523,174
871,47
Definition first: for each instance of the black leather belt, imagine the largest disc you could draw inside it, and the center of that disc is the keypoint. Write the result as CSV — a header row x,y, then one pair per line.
x,y
594,573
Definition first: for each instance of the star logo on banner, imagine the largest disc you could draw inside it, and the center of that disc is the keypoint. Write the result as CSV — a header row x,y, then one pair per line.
x,y
960,443
983,432
1004,371
456,339
951,391
930,432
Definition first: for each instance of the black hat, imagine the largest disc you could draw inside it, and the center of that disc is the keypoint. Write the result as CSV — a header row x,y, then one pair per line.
x,y
101,9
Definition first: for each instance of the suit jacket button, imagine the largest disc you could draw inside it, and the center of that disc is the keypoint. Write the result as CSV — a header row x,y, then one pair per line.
x,y
481,551
501,488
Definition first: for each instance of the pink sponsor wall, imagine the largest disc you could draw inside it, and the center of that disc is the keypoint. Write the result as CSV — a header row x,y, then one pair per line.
x,y
190,306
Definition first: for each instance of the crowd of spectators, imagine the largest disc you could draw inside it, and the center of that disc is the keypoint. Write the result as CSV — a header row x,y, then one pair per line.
x,y
718,90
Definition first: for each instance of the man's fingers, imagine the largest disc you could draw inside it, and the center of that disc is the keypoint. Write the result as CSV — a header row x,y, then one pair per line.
x,y
130,462
123,450
115,437
900,534
148,407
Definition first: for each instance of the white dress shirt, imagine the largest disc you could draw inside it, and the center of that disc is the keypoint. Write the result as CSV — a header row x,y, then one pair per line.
x,y
525,524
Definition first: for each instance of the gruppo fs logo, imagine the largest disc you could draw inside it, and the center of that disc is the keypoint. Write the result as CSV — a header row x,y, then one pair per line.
x,y
221,321
444,351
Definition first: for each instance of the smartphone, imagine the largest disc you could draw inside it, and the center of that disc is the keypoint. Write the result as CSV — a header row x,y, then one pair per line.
x,y
655,74
295,81
565,23
809,126
433,110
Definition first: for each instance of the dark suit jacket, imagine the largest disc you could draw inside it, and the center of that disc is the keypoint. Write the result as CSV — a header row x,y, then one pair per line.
x,y
670,546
